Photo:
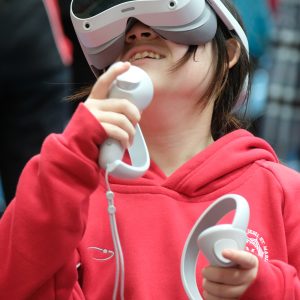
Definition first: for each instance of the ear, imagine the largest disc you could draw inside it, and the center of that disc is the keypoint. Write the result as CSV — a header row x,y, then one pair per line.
x,y
233,50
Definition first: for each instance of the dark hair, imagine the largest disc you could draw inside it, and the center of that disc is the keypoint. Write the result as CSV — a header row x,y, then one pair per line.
x,y
230,81
226,84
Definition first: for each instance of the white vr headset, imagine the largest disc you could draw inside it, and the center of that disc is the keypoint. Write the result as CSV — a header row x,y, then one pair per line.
x,y
101,25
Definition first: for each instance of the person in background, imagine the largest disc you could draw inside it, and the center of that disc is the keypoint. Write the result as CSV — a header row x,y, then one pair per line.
x,y
81,75
34,79
273,4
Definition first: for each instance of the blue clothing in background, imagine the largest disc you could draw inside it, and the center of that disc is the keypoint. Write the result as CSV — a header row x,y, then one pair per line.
x,y
257,17
2,202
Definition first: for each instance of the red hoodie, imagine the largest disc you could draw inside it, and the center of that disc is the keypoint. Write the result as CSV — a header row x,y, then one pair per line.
x,y
55,239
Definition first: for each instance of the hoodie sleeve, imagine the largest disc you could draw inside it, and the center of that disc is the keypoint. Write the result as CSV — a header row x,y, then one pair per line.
x,y
277,279
44,224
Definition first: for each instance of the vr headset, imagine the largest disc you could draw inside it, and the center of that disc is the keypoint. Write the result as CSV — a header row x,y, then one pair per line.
x,y
101,25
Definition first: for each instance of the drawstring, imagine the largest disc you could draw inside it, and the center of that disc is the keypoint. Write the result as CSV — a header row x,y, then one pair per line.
x,y
120,271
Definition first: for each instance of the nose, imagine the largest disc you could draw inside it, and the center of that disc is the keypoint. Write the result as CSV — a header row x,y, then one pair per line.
x,y
139,32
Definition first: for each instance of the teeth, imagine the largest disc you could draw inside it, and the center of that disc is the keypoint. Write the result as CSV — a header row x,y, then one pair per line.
x,y
144,54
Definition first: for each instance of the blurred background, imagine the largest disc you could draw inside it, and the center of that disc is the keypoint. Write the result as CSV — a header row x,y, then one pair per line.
x,y
42,63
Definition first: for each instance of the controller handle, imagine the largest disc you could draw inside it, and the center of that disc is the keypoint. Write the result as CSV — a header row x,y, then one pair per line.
x,y
136,86
211,238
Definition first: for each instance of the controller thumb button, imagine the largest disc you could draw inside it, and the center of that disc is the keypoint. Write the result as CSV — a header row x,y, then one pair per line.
x,y
127,84
222,244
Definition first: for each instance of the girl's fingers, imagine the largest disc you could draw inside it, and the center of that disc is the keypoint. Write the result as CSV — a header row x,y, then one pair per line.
x,y
232,276
231,282
118,117
116,120
244,272
118,112
117,133
222,291
207,296
101,87
121,106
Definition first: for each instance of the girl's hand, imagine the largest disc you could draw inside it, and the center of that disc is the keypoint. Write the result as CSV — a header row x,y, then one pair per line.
x,y
117,116
230,283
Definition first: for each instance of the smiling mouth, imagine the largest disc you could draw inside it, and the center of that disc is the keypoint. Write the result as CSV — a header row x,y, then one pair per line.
x,y
145,54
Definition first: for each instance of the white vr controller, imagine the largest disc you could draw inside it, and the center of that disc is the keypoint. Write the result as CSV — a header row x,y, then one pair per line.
x,y
212,239
136,86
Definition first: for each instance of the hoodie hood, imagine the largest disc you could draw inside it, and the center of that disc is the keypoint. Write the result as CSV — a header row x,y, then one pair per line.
x,y
220,164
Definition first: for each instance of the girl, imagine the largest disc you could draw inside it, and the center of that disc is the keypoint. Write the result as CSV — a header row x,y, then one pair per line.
x,y
55,237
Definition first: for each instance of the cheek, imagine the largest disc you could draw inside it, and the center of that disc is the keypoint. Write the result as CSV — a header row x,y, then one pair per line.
x,y
162,78
202,71
195,78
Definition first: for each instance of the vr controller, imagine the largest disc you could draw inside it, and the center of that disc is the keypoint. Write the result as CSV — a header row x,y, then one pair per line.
x,y
136,86
212,239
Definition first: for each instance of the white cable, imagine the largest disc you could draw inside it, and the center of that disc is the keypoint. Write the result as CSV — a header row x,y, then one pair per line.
x,y
121,261
120,270
111,209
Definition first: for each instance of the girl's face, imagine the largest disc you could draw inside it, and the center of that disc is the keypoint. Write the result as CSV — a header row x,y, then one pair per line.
x,y
146,49
177,93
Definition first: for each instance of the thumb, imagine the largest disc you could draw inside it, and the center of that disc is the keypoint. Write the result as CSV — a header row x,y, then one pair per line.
x,y
101,87
243,259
